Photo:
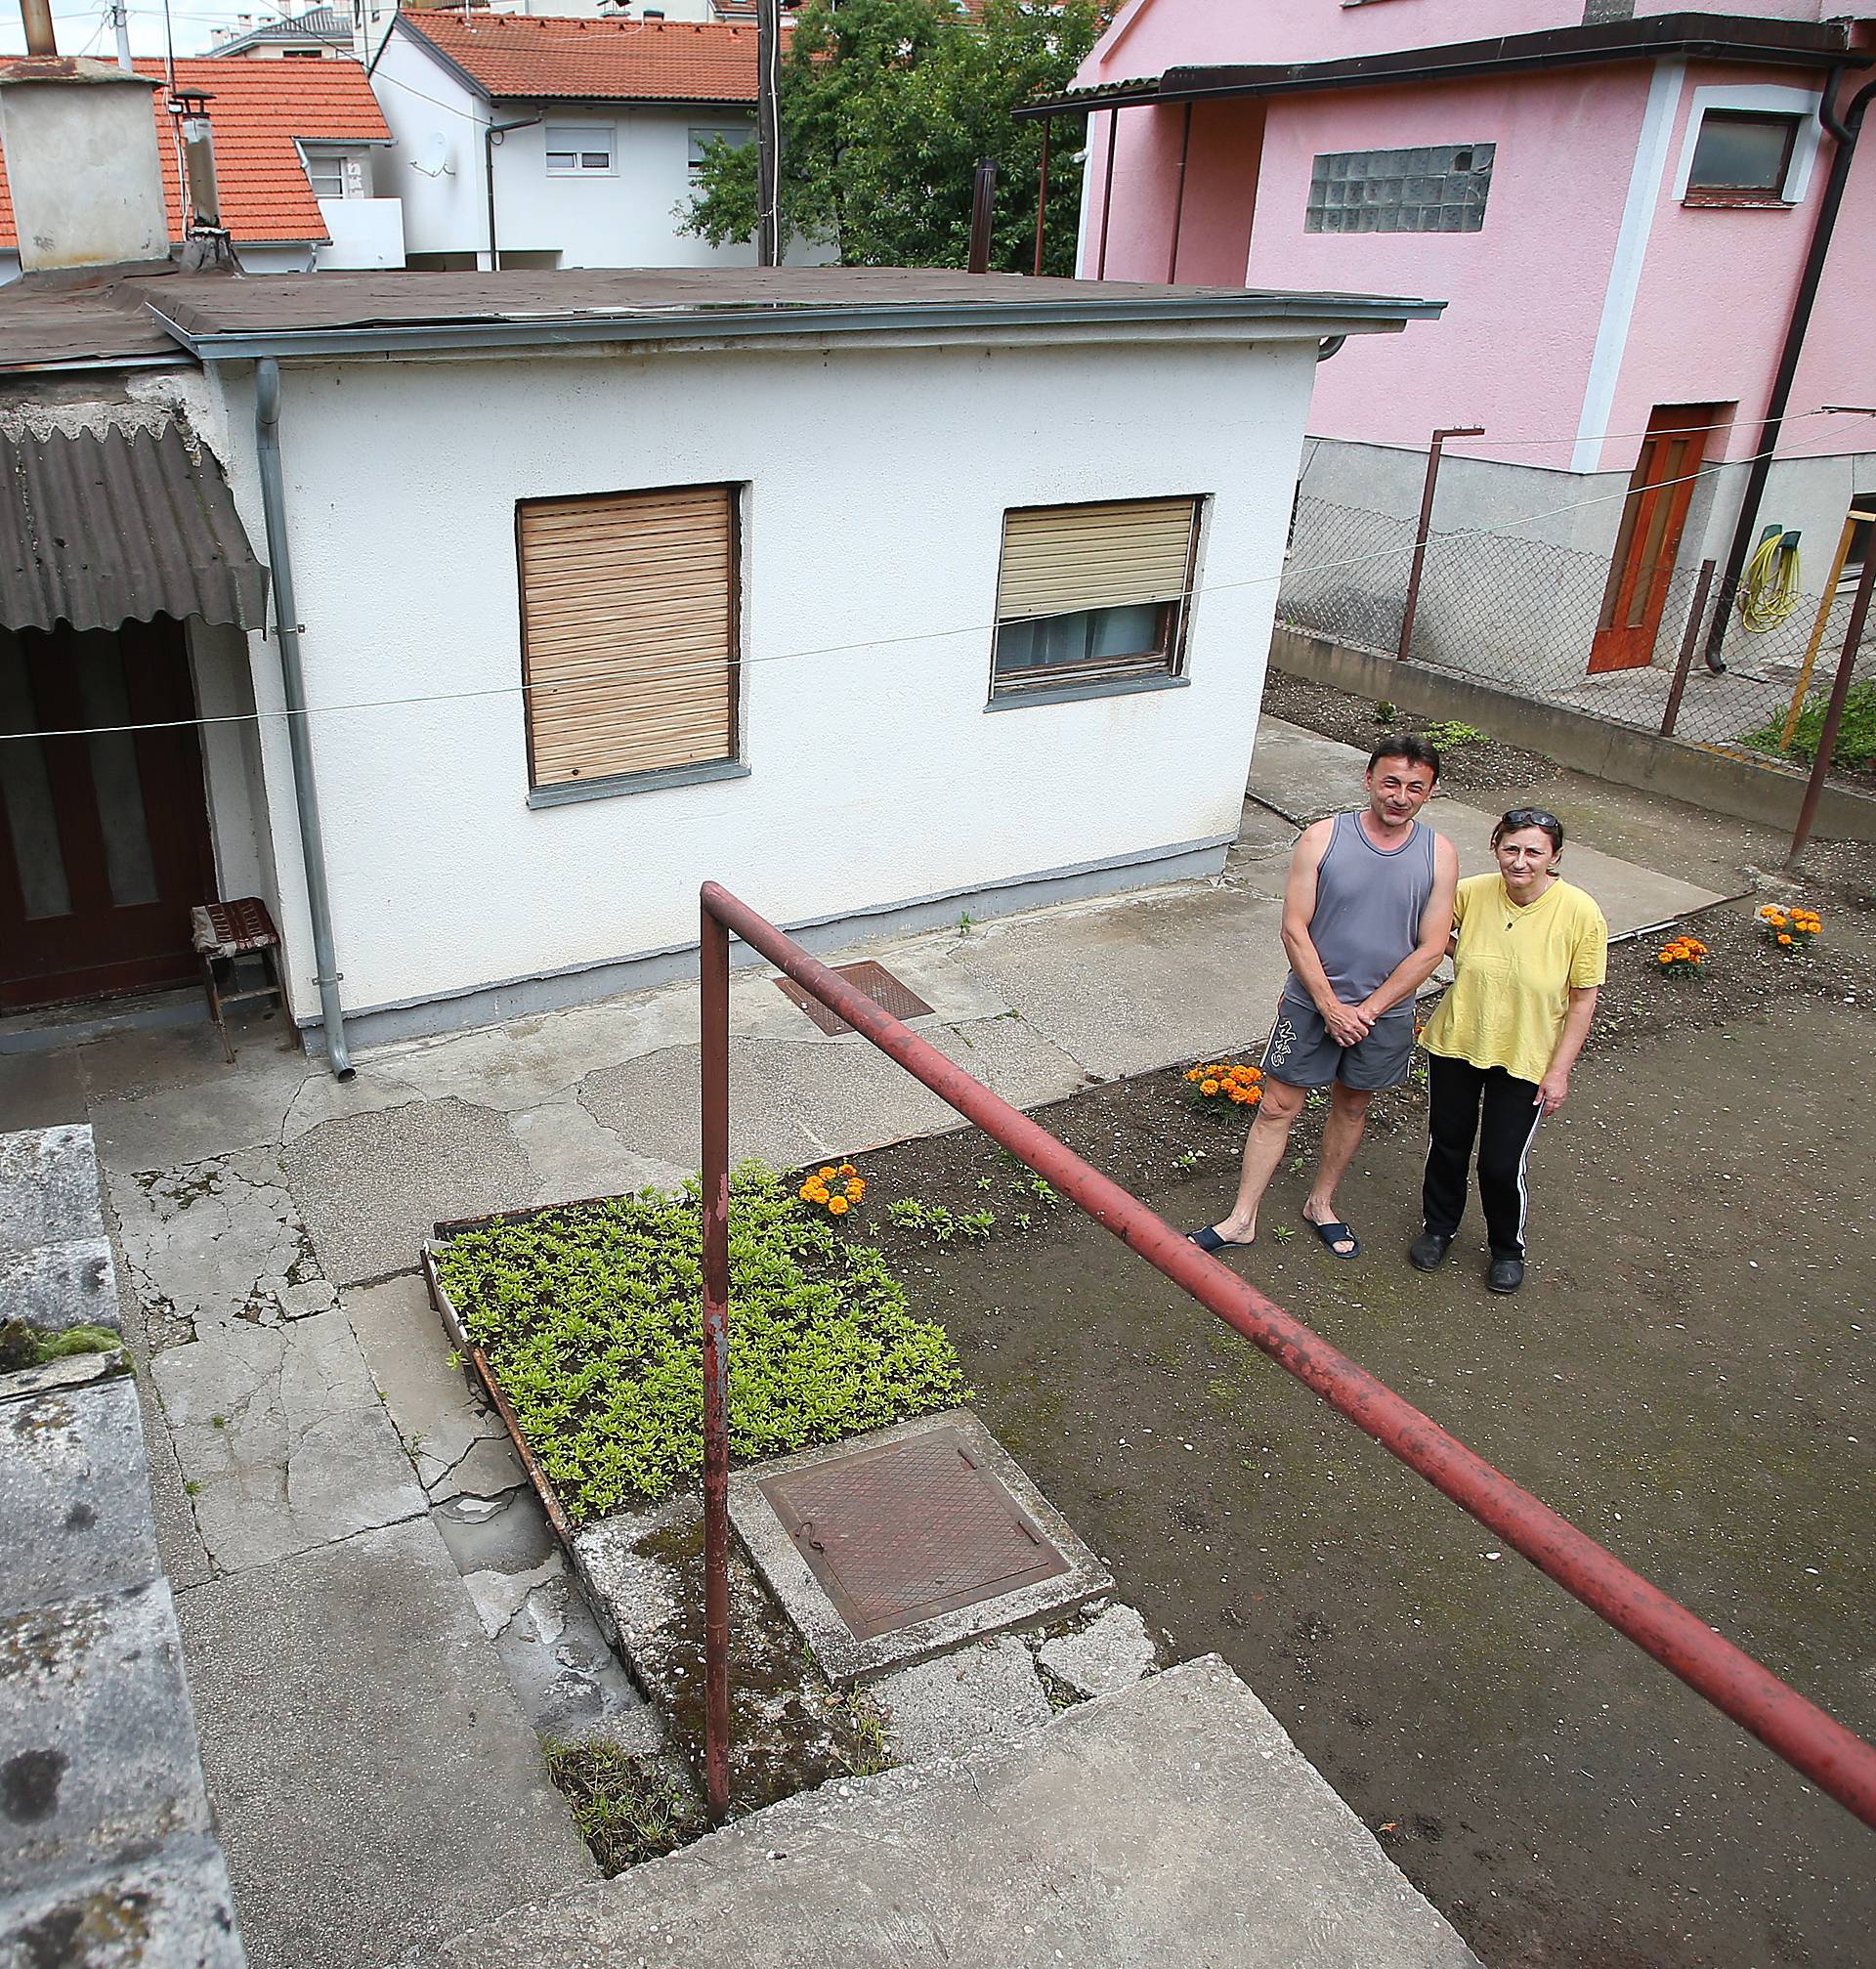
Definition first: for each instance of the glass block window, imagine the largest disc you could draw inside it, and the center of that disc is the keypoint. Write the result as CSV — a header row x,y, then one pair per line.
x,y
1440,188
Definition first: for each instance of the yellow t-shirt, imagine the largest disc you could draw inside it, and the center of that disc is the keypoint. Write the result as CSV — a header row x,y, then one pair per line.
x,y
1514,970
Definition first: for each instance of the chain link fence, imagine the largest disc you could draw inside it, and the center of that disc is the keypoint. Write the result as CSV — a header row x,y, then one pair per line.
x,y
1528,616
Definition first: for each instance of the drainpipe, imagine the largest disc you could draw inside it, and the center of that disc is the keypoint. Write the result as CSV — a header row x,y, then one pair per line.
x,y
286,629
490,132
1844,130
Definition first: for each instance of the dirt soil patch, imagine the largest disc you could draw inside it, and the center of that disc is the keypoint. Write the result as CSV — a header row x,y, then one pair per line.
x,y
1686,1375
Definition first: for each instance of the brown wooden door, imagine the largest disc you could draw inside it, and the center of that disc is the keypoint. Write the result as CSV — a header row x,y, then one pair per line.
x,y
1653,516
104,837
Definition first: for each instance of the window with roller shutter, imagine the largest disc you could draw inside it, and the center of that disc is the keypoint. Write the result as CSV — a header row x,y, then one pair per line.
x,y
628,604
1090,593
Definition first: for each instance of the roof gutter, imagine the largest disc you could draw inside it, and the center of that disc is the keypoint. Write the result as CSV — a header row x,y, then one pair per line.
x,y
1314,315
1691,37
286,629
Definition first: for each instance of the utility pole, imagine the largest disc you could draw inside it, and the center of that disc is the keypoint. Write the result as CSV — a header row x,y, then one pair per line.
x,y
120,19
768,133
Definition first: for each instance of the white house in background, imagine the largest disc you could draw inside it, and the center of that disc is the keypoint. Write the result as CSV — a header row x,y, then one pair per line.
x,y
876,594
319,33
556,142
295,144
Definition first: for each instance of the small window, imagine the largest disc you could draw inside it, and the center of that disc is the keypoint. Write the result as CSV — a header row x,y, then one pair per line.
x,y
1435,189
1742,154
735,136
326,171
628,632
1092,592
574,150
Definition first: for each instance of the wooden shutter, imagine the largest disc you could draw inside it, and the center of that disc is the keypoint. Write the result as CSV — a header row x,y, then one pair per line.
x,y
1060,559
628,632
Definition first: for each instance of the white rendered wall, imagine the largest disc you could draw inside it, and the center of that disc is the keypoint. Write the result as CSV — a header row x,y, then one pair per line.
x,y
444,212
877,484
361,232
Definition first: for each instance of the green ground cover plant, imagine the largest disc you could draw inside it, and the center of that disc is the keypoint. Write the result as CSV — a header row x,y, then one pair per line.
x,y
592,1320
1856,738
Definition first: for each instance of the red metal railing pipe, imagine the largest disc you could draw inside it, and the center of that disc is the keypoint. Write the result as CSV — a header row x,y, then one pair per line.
x,y
1814,1744
713,953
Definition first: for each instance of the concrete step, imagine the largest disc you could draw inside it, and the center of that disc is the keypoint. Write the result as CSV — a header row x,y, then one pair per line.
x,y
1168,1825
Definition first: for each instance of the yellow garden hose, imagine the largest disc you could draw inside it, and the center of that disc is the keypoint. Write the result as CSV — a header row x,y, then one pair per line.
x,y
1768,592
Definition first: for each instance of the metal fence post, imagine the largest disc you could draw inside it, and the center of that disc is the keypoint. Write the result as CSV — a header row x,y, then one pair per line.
x,y
1834,715
1420,532
1689,643
714,962
983,208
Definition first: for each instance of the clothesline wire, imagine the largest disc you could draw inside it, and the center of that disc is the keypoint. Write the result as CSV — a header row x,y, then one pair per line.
x,y
523,689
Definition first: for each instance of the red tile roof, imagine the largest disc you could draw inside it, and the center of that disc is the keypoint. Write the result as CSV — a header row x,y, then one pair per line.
x,y
259,108
535,57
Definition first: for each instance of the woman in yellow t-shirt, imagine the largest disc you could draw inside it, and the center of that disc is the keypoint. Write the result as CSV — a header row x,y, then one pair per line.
x,y
1529,951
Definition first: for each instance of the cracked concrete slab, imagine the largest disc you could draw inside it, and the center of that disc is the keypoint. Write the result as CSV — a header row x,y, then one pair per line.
x,y
160,1127
281,1438
375,1781
372,1089
371,1187
566,1678
927,964
1112,1651
988,1693
1125,987
574,1156
214,1243
455,1440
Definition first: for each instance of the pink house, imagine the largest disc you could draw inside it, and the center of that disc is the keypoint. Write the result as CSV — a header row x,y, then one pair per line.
x,y
1620,202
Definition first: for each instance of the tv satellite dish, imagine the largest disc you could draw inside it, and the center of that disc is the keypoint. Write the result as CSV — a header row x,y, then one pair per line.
x,y
432,155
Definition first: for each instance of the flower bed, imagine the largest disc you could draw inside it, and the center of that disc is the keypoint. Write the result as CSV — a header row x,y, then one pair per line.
x,y
589,1318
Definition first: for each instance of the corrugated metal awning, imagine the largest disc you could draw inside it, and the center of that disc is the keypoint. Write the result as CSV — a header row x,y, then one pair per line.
x,y
101,527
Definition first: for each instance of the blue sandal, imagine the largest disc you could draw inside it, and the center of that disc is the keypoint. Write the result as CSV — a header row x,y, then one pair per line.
x,y
1332,1234
1208,1239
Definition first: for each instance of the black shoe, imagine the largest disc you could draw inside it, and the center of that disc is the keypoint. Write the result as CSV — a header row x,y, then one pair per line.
x,y
1427,1251
1506,1274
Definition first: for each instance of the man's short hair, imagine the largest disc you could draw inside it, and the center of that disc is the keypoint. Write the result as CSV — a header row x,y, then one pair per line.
x,y
1416,751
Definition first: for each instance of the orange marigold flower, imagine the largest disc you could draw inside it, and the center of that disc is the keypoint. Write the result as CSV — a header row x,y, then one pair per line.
x,y
847,1169
856,1188
1254,1096
1192,1073
826,1174
838,1205
1783,938
1208,1086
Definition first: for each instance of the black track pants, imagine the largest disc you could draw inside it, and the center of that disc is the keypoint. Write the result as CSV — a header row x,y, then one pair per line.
x,y
1502,1111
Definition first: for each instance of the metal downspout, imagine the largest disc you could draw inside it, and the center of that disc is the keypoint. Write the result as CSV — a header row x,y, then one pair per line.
x,y
287,629
491,135
1844,130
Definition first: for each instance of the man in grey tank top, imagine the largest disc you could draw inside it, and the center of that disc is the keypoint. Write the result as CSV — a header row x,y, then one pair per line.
x,y
1367,911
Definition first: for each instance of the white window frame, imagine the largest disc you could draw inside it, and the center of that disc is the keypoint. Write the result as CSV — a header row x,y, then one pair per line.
x,y
578,149
327,160
693,163
1764,99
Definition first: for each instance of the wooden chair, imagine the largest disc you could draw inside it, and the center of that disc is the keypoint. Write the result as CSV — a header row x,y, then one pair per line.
x,y
223,934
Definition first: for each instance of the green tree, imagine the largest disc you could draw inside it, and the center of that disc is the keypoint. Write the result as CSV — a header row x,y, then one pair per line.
x,y
885,107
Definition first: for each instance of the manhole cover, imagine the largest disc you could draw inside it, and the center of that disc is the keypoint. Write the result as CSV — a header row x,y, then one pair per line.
x,y
916,1528
879,984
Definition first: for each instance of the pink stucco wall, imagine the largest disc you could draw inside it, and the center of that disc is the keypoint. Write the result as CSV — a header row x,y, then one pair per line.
x,y
1153,35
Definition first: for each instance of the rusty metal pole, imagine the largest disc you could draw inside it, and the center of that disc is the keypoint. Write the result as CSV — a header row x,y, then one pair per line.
x,y
1834,714
1179,203
1042,192
1107,191
713,968
983,206
35,15
1689,644
1412,603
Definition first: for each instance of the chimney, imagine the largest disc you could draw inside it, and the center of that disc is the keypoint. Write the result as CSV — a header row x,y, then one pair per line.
x,y
205,242
82,165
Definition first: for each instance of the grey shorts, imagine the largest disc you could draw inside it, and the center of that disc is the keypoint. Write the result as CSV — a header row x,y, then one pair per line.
x,y
1302,1053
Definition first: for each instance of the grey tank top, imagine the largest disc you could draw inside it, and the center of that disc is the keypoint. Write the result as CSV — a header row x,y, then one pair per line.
x,y
1369,902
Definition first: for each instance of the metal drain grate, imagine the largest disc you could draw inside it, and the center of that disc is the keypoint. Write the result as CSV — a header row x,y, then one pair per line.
x,y
912,1529
879,984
